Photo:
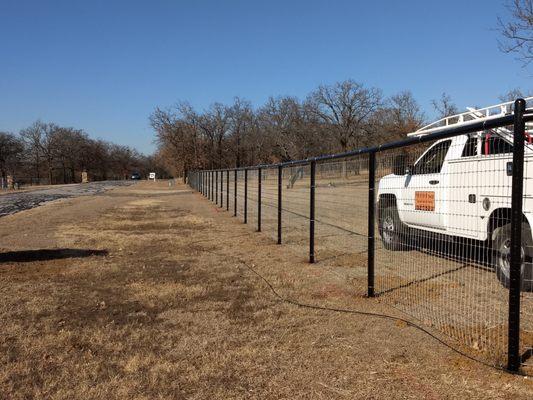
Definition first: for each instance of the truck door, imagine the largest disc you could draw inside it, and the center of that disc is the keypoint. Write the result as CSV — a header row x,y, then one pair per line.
x,y
423,188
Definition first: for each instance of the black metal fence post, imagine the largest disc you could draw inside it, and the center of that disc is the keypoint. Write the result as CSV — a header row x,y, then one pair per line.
x,y
312,214
258,199
513,341
280,173
246,196
227,190
235,194
371,221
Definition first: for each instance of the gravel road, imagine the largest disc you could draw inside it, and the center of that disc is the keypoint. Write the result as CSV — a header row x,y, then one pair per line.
x,y
24,200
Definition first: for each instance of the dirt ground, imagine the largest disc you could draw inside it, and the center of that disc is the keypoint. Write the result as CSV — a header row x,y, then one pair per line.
x,y
146,292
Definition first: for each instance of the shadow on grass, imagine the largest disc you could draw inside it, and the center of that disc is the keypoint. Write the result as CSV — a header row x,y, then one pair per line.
x,y
48,254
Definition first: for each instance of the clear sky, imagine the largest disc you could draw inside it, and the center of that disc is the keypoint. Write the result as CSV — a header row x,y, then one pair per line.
x,y
104,65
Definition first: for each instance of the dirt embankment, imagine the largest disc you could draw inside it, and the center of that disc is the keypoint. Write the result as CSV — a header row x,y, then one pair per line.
x,y
143,292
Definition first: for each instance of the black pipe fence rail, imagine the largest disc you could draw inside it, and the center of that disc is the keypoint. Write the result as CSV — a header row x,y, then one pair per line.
x,y
454,247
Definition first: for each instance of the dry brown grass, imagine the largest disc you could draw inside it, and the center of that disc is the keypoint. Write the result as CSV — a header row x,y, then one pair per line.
x,y
172,312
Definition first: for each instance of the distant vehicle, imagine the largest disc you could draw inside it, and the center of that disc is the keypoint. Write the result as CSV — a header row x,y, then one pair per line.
x,y
135,176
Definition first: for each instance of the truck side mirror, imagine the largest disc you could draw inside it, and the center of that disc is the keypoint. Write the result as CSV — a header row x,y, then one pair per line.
x,y
400,165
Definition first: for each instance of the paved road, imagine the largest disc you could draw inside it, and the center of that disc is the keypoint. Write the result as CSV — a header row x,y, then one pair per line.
x,y
14,202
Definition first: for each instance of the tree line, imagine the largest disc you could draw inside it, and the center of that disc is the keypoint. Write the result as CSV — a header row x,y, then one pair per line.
x,y
47,153
331,119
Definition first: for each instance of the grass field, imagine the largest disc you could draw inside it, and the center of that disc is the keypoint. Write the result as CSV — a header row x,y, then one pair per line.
x,y
150,292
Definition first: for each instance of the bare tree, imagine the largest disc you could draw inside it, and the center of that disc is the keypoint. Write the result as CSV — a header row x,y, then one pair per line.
x,y
31,138
518,32
11,150
445,106
241,120
514,94
214,124
176,132
69,144
281,120
346,107
400,115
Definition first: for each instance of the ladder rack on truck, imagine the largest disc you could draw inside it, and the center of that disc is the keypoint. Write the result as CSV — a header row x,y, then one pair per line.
x,y
476,115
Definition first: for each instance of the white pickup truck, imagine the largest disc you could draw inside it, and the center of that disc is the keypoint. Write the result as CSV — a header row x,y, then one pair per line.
x,y
459,190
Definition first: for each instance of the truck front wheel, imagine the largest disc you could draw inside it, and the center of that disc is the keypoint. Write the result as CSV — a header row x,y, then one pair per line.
x,y
390,229
502,261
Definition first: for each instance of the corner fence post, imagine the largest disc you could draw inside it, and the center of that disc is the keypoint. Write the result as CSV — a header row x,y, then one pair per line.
x,y
513,341
235,194
312,214
371,220
280,174
246,196
258,199
227,190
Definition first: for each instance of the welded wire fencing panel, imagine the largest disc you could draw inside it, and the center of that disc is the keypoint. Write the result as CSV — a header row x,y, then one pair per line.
x,y
432,226
295,209
230,193
240,194
252,198
526,307
341,206
432,260
269,200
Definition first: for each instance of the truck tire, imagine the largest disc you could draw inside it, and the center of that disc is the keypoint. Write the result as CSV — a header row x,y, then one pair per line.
x,y
502,256
390,229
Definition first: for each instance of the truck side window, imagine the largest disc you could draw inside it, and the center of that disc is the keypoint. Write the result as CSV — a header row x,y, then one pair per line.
x,y
431,162
470,149
493,144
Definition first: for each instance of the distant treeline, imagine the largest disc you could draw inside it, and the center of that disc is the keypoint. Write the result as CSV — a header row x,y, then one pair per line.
x,y
331,119
46,153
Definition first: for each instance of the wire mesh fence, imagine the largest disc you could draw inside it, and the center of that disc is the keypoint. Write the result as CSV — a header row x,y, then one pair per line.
x,y
437,225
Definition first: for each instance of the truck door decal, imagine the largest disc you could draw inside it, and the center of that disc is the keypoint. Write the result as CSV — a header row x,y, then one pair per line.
x,y
425,201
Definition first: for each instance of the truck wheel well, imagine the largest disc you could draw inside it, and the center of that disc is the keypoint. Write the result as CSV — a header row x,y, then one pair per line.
x,y
499,218
386,200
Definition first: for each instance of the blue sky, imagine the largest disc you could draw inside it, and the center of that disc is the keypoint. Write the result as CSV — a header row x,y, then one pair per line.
x,y
104,65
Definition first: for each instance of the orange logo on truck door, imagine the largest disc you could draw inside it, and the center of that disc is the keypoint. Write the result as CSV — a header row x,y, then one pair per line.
x,y
425,201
